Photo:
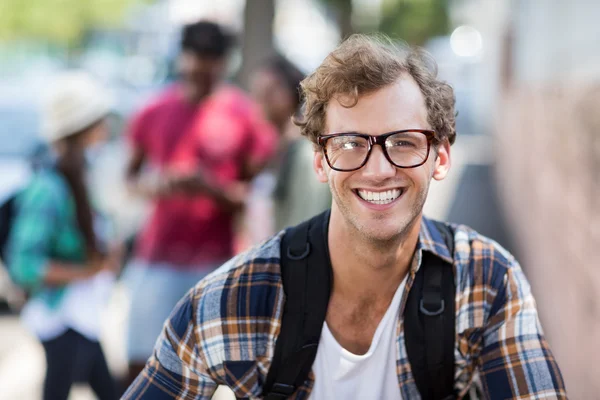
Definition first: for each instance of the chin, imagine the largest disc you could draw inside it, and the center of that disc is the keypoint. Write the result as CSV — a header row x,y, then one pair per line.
x,y
379,230
382,224
381,234
390,226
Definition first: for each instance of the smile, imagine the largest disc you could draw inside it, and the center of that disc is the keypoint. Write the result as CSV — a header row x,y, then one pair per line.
x,y
380,198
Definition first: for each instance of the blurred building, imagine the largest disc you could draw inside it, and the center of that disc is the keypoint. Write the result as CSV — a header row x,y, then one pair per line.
x,y
539,91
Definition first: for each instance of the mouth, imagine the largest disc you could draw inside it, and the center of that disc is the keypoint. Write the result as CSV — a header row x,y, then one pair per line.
x,y
381,197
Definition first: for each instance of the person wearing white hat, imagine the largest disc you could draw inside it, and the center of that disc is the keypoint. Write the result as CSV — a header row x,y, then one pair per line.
x,y
54,249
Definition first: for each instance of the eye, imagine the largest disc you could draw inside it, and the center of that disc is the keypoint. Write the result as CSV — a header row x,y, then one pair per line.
x,y
349,145
400,143
406,141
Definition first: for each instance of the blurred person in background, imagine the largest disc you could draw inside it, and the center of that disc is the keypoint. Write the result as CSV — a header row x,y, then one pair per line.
x,y
194,149
58,247
297,195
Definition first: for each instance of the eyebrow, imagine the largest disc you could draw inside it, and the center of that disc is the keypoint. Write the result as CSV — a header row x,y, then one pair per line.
x,y
384,133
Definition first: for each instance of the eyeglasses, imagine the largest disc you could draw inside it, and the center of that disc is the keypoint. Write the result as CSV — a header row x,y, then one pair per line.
x,y
350,151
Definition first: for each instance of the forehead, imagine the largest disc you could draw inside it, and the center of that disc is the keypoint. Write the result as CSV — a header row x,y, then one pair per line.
x,y
190,59
400,105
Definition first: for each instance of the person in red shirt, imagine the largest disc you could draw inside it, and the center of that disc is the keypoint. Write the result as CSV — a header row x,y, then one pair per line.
x,y
194,148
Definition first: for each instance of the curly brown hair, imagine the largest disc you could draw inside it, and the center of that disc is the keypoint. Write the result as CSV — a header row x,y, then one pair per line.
x,y
363,64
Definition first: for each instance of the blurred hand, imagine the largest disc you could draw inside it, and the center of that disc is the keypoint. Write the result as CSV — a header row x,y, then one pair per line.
x,y
152,186
233,197
194,184
114,259
237,194
186,183
112,262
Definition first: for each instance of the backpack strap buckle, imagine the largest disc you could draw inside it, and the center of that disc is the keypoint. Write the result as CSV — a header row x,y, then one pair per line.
x,y
282,391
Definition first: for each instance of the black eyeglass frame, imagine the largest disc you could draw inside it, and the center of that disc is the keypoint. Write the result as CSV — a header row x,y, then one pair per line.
x,y
373,140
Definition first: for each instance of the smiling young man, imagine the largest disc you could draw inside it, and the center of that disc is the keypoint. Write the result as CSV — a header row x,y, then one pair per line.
x,y
382,125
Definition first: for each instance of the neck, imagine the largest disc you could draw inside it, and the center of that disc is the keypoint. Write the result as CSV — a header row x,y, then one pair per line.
x,y
195,98
369,268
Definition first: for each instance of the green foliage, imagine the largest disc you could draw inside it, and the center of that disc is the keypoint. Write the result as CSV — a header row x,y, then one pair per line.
x,y
415,21
61,22
338,3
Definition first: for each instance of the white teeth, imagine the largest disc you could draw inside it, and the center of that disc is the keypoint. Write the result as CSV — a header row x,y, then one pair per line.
x,y
379,197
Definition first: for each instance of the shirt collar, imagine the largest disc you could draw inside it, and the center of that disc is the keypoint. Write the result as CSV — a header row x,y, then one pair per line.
x,y
432,241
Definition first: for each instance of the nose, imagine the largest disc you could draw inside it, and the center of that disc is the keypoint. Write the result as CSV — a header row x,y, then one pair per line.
x,y
377,165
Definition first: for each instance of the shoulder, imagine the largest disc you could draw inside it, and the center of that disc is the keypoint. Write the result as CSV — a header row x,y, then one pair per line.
x,y
239,304
483,270
469,242
46,187
482,266
233,95
479,254
234,100
470,248
250,271
161,101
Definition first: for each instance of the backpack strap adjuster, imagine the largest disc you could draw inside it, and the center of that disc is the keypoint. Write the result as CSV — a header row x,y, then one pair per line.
x,y
429,313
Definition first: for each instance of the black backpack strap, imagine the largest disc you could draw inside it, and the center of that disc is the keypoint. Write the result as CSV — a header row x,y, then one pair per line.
x,y
8,210
429,324
305,266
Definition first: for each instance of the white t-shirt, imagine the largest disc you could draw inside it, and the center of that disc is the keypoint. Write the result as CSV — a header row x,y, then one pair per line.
x,y
340,374
80,309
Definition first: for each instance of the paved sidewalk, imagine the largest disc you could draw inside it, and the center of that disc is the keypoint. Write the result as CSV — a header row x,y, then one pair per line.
x,y
22,364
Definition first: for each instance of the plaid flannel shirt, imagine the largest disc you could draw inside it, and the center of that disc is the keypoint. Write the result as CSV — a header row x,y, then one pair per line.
x,y
223,332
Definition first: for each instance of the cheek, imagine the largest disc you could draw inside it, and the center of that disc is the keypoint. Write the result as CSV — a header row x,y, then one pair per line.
x,y
417,178
99,134
425,172
280,102
287,100
339,181
421,176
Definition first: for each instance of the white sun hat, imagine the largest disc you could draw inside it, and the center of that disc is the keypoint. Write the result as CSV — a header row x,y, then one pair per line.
x,y
75,101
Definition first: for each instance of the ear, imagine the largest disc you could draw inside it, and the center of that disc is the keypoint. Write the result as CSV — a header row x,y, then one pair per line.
x,y
442,162
319,164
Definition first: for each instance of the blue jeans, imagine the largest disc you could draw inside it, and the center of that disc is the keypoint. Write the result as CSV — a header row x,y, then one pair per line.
x,y
154,290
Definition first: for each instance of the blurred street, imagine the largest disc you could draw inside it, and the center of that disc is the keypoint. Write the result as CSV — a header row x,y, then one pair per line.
x,y
22,364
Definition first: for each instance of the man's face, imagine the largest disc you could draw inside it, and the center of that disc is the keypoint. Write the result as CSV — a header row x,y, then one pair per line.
x,y
395,107
199,74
